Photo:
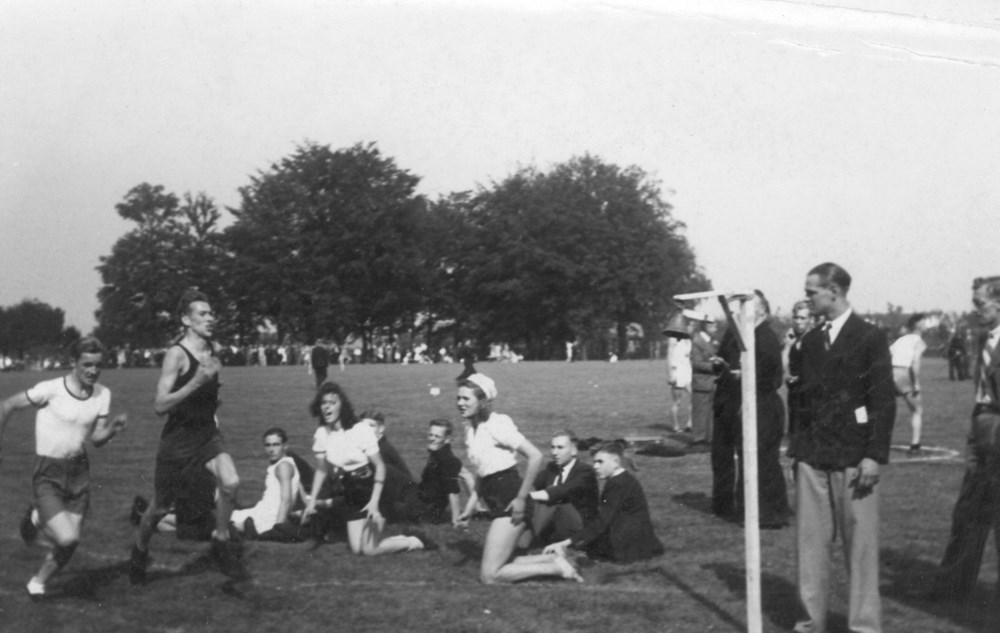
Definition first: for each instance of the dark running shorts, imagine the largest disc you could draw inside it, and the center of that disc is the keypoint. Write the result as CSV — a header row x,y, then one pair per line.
x,y
180,478
61,485
496,491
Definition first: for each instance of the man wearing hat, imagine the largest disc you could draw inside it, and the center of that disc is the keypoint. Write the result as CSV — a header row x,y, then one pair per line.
x,y
679,367
702,377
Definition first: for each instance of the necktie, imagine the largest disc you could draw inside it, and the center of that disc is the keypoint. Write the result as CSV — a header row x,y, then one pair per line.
x,y
987,360
826,337
559,477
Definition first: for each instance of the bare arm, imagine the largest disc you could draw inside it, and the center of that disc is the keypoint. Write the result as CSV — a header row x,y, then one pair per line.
x,y
106,428
534,457
284,473
318,478
372,508
174,363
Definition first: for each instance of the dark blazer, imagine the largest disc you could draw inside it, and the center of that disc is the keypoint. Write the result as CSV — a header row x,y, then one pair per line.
x,y
702,372
840,388
623,531
579,489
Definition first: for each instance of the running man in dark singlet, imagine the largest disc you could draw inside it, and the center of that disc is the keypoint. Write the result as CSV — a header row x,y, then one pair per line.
x,y
188,393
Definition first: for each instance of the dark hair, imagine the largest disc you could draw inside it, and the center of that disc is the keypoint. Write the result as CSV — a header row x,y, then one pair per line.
x,y
763,302
830,273
443,423
190,296
86,345
485,404
992,285
347,417
611,448
274,430
570,435
372,414
911,323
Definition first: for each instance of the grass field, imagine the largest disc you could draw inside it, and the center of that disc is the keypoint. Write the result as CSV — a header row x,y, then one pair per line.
x,y
697,585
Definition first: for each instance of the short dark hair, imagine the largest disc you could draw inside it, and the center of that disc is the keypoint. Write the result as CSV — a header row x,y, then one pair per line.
x,y
911,323
444,424
801,304
190,296
372,414
611,448
570,435
830,273
280,432
763,301
992,285
86,345
347,417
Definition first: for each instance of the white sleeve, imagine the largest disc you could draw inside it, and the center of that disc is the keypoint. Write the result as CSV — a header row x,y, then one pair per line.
x,y
105,396
319,441
363,435
505,431
40,394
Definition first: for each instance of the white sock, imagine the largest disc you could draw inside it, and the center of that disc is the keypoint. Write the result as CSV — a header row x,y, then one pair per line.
x,y
35,588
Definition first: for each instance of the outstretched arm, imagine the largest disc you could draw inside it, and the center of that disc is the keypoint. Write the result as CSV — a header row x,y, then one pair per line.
x,y
519,503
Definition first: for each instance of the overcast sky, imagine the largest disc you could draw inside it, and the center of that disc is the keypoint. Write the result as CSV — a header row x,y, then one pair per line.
x,y
785,133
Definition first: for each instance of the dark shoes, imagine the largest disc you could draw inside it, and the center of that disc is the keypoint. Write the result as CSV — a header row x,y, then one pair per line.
x,y
29,531
425,540
228,555
250,530
137,564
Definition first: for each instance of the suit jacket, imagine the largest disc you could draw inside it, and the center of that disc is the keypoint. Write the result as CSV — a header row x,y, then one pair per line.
x,y
623,531
985,428
849,398
579,489
703,374
769,372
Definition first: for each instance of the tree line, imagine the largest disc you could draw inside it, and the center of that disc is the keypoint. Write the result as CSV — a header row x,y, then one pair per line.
x,y
33,327
337,244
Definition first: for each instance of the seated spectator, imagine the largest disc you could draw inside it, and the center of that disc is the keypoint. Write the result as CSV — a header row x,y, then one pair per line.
x,y
623,531
282,489
389,453
565,493
439,489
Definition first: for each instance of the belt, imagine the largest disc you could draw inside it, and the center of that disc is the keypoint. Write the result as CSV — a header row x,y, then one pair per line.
x,y
499,473
364,472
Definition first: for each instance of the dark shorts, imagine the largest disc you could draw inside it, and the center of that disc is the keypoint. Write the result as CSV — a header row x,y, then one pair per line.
x,y
496,491
399,501
61,485
184,477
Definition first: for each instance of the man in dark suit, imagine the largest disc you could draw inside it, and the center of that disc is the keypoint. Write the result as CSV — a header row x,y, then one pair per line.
x,y
565,492
977,510
844,437
727,443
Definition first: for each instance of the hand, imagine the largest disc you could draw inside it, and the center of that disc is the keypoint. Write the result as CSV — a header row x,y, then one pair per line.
x,y
461,523
118,423
371,511
517,510
309,511
867,477
207,370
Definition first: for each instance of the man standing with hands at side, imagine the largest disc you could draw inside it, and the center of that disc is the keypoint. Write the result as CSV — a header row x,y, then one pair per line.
x,y
846,428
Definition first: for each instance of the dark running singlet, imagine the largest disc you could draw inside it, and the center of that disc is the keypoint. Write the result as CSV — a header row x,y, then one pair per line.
x,y
191,424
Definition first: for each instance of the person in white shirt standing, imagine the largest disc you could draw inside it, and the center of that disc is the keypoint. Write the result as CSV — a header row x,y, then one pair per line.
x,y
906,352
70,411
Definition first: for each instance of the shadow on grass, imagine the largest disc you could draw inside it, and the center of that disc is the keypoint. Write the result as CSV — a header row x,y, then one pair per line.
x,y
779,598
699,501
908,580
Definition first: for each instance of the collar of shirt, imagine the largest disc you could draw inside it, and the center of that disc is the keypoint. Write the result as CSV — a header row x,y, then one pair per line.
x,y
837,324
993,336
705,337
568,467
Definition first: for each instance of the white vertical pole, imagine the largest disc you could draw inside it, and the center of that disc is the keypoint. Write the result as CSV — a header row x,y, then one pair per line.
x,y
748,366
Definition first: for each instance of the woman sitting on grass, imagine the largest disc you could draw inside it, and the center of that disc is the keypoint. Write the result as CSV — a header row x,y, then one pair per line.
x,y
349,449
623,531
492,444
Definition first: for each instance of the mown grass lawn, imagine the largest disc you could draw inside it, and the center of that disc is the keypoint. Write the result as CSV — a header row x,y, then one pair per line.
x,y
697,585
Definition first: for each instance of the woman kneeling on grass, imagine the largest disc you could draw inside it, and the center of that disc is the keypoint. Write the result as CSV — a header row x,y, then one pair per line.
x,y
344,447
623,531
492,444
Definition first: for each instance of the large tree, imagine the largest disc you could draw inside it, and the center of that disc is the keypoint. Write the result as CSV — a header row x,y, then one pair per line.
x,y
569,253
30,325
175,245
327,243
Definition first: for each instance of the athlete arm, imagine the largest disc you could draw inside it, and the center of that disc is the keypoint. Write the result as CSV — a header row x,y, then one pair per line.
x,y
107,428
10,405
318,478
284,473
519,503
469,480
372,507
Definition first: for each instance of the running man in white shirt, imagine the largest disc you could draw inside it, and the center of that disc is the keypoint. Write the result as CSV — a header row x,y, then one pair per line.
x,y
70,411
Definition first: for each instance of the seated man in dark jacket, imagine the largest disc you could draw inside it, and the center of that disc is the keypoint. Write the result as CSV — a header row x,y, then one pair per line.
x,y
565,493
